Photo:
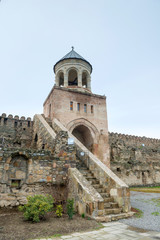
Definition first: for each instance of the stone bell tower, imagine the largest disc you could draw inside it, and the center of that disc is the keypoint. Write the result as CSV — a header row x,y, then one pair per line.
x,y
76,107
73,72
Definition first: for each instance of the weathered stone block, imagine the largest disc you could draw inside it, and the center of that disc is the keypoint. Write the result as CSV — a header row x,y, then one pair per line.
x,y
20,174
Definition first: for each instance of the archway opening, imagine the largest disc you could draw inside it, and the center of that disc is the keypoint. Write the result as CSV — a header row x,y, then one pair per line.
x,y
83,134
84,80
72,78
61,79
18,171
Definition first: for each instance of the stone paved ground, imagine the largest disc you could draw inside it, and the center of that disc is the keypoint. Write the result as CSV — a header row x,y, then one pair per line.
x,y
111,231
144,202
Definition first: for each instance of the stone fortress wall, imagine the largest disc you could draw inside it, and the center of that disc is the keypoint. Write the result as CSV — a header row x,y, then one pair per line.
x,y
136,160
33,163
29,167
136,140
15,131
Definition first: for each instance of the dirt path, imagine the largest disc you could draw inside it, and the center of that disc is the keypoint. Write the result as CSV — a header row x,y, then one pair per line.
x,y
13,227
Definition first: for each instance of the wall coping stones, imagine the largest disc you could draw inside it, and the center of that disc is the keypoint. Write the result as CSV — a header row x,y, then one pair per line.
x,y
46,125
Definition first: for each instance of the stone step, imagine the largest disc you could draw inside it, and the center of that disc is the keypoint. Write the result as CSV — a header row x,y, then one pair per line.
x,y
112,211
111,205
105,195
83,172
114,205
114,217
90,178
107,205
108,199
94,181
101,190
89,175
96,186
83,167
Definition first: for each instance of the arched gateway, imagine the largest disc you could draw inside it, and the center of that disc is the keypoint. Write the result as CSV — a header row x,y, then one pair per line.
x,y
83,134
76,107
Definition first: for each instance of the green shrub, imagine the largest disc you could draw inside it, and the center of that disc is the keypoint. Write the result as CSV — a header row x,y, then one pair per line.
x,y
36,207
83,215
59,211
70,208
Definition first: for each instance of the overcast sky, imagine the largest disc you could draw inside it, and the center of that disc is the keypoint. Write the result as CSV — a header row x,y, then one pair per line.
x,y
120,38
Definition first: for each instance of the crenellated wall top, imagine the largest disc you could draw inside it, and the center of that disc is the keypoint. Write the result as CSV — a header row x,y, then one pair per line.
x,y
132,139
16,117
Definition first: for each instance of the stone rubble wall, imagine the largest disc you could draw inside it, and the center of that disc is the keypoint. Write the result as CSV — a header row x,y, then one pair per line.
x,y
87,200
15,132
116,187
34,170
136,160
31,168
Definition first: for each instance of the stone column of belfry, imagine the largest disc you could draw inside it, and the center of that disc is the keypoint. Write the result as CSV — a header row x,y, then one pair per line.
x,y
56,80
79,79
89,82
65,78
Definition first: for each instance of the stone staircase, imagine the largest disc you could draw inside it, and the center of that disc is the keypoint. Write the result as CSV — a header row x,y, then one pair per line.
x,y
100,194
109,205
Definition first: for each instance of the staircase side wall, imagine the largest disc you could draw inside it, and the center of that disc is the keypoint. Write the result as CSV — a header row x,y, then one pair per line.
x,y
43,135
57,143
87,200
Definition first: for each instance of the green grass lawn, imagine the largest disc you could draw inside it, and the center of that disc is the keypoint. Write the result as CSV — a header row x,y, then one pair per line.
x,y
155,189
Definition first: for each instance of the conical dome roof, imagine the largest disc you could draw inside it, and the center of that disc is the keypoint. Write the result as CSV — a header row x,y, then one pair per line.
x,y
72,55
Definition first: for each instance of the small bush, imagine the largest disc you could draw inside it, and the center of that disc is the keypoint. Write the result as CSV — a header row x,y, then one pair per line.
x,y
59,211
83,215
36,207
70,208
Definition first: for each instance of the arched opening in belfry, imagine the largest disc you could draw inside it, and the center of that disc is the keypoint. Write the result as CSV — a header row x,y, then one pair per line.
x,y
84,80
72,78
61,79
83,134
